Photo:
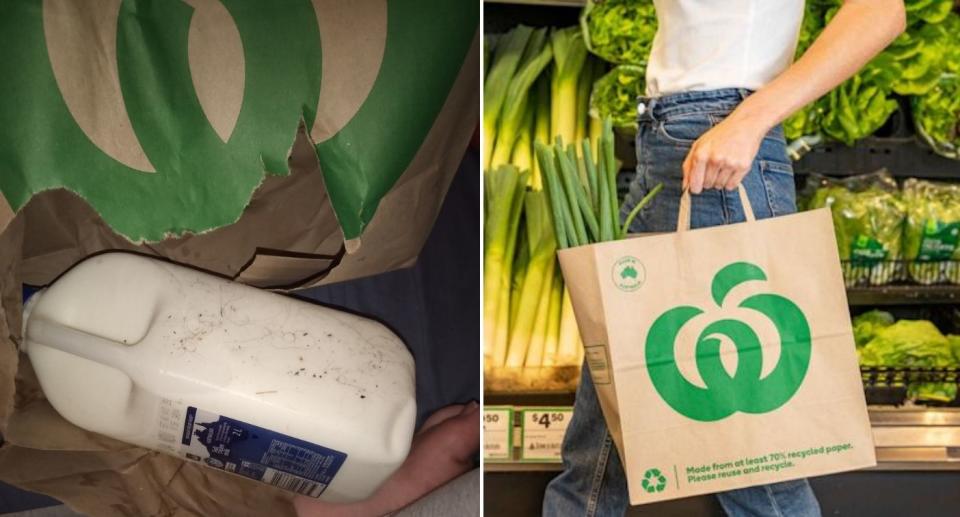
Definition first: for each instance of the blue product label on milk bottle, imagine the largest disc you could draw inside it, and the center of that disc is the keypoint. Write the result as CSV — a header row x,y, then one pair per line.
x,y
257,453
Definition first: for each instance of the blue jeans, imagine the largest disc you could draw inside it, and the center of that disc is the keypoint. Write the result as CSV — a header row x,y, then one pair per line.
x,y
593,482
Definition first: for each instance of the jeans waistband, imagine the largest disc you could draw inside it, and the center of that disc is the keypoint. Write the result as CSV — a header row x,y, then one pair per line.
x,y
701,101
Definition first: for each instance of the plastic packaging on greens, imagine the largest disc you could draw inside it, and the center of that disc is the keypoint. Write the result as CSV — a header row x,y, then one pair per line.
x,y
615,95
868,217
913,343
931,231
937,116
620,31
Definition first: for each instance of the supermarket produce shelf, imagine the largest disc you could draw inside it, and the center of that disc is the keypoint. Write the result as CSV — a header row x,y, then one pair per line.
x,y
529,398
907,439
902,157
554,3
903,295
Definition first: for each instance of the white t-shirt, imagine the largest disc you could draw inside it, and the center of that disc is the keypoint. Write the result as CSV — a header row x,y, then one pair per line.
x,y
710,44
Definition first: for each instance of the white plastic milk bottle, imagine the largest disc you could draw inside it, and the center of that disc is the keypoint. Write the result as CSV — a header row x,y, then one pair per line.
x,y
303,397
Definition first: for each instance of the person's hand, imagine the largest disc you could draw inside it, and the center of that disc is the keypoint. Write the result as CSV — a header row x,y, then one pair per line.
x,y
442,450
722,156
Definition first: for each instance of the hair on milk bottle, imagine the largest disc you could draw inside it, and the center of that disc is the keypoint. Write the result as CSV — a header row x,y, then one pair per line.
x,y
296,395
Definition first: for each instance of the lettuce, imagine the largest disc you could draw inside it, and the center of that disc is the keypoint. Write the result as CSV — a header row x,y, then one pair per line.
x,y
929,11
954,341
913,343
862,104
866,325
806,121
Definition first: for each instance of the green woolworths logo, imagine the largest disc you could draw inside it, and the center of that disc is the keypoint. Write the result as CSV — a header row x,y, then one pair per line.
x,y
744,391
166,116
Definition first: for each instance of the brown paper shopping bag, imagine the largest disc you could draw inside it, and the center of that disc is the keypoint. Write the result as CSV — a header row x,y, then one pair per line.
x,y
723,357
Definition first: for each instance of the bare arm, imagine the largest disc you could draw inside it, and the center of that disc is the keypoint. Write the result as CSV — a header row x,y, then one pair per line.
x,y
858,32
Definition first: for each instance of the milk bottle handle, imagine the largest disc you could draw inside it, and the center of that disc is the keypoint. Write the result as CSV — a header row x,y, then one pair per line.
x,y
82,344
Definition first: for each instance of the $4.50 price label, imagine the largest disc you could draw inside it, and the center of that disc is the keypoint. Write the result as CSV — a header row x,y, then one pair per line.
x,y
542,432
497,433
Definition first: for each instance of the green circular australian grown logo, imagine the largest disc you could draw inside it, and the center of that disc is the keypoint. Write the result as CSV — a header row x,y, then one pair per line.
x,y
628,273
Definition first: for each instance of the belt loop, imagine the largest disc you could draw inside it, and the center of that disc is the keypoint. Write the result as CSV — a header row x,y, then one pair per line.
x,y
645,107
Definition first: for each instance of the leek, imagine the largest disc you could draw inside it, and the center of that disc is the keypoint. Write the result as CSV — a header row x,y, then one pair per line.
x,y
584,86
543,246
506,57
489,44
522,155
569,54
536,56
594,130
552,341
569,332
541,131
521,261
504,193
541,326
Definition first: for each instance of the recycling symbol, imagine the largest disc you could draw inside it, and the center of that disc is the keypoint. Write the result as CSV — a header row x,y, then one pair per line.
x,y
745,390
654,481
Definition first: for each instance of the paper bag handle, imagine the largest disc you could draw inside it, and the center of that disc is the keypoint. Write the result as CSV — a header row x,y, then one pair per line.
x,y
683,217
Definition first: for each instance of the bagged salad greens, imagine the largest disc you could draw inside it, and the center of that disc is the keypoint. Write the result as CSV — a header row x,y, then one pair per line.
x,y
931,232
937,114
913,343
868,217
615,95
620,31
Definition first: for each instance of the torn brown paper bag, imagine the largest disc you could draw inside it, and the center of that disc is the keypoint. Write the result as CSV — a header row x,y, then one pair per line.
x,y
280,145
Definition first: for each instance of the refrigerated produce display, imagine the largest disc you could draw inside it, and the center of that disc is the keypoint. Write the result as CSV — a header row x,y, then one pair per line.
x,y
880,151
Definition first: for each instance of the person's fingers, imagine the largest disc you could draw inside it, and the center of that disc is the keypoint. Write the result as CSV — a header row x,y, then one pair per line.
x,y
443,449
710,173
723,177
459,435
441,415
737,178
698,166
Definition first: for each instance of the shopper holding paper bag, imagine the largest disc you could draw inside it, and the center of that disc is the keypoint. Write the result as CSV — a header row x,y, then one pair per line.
x,y
720,80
